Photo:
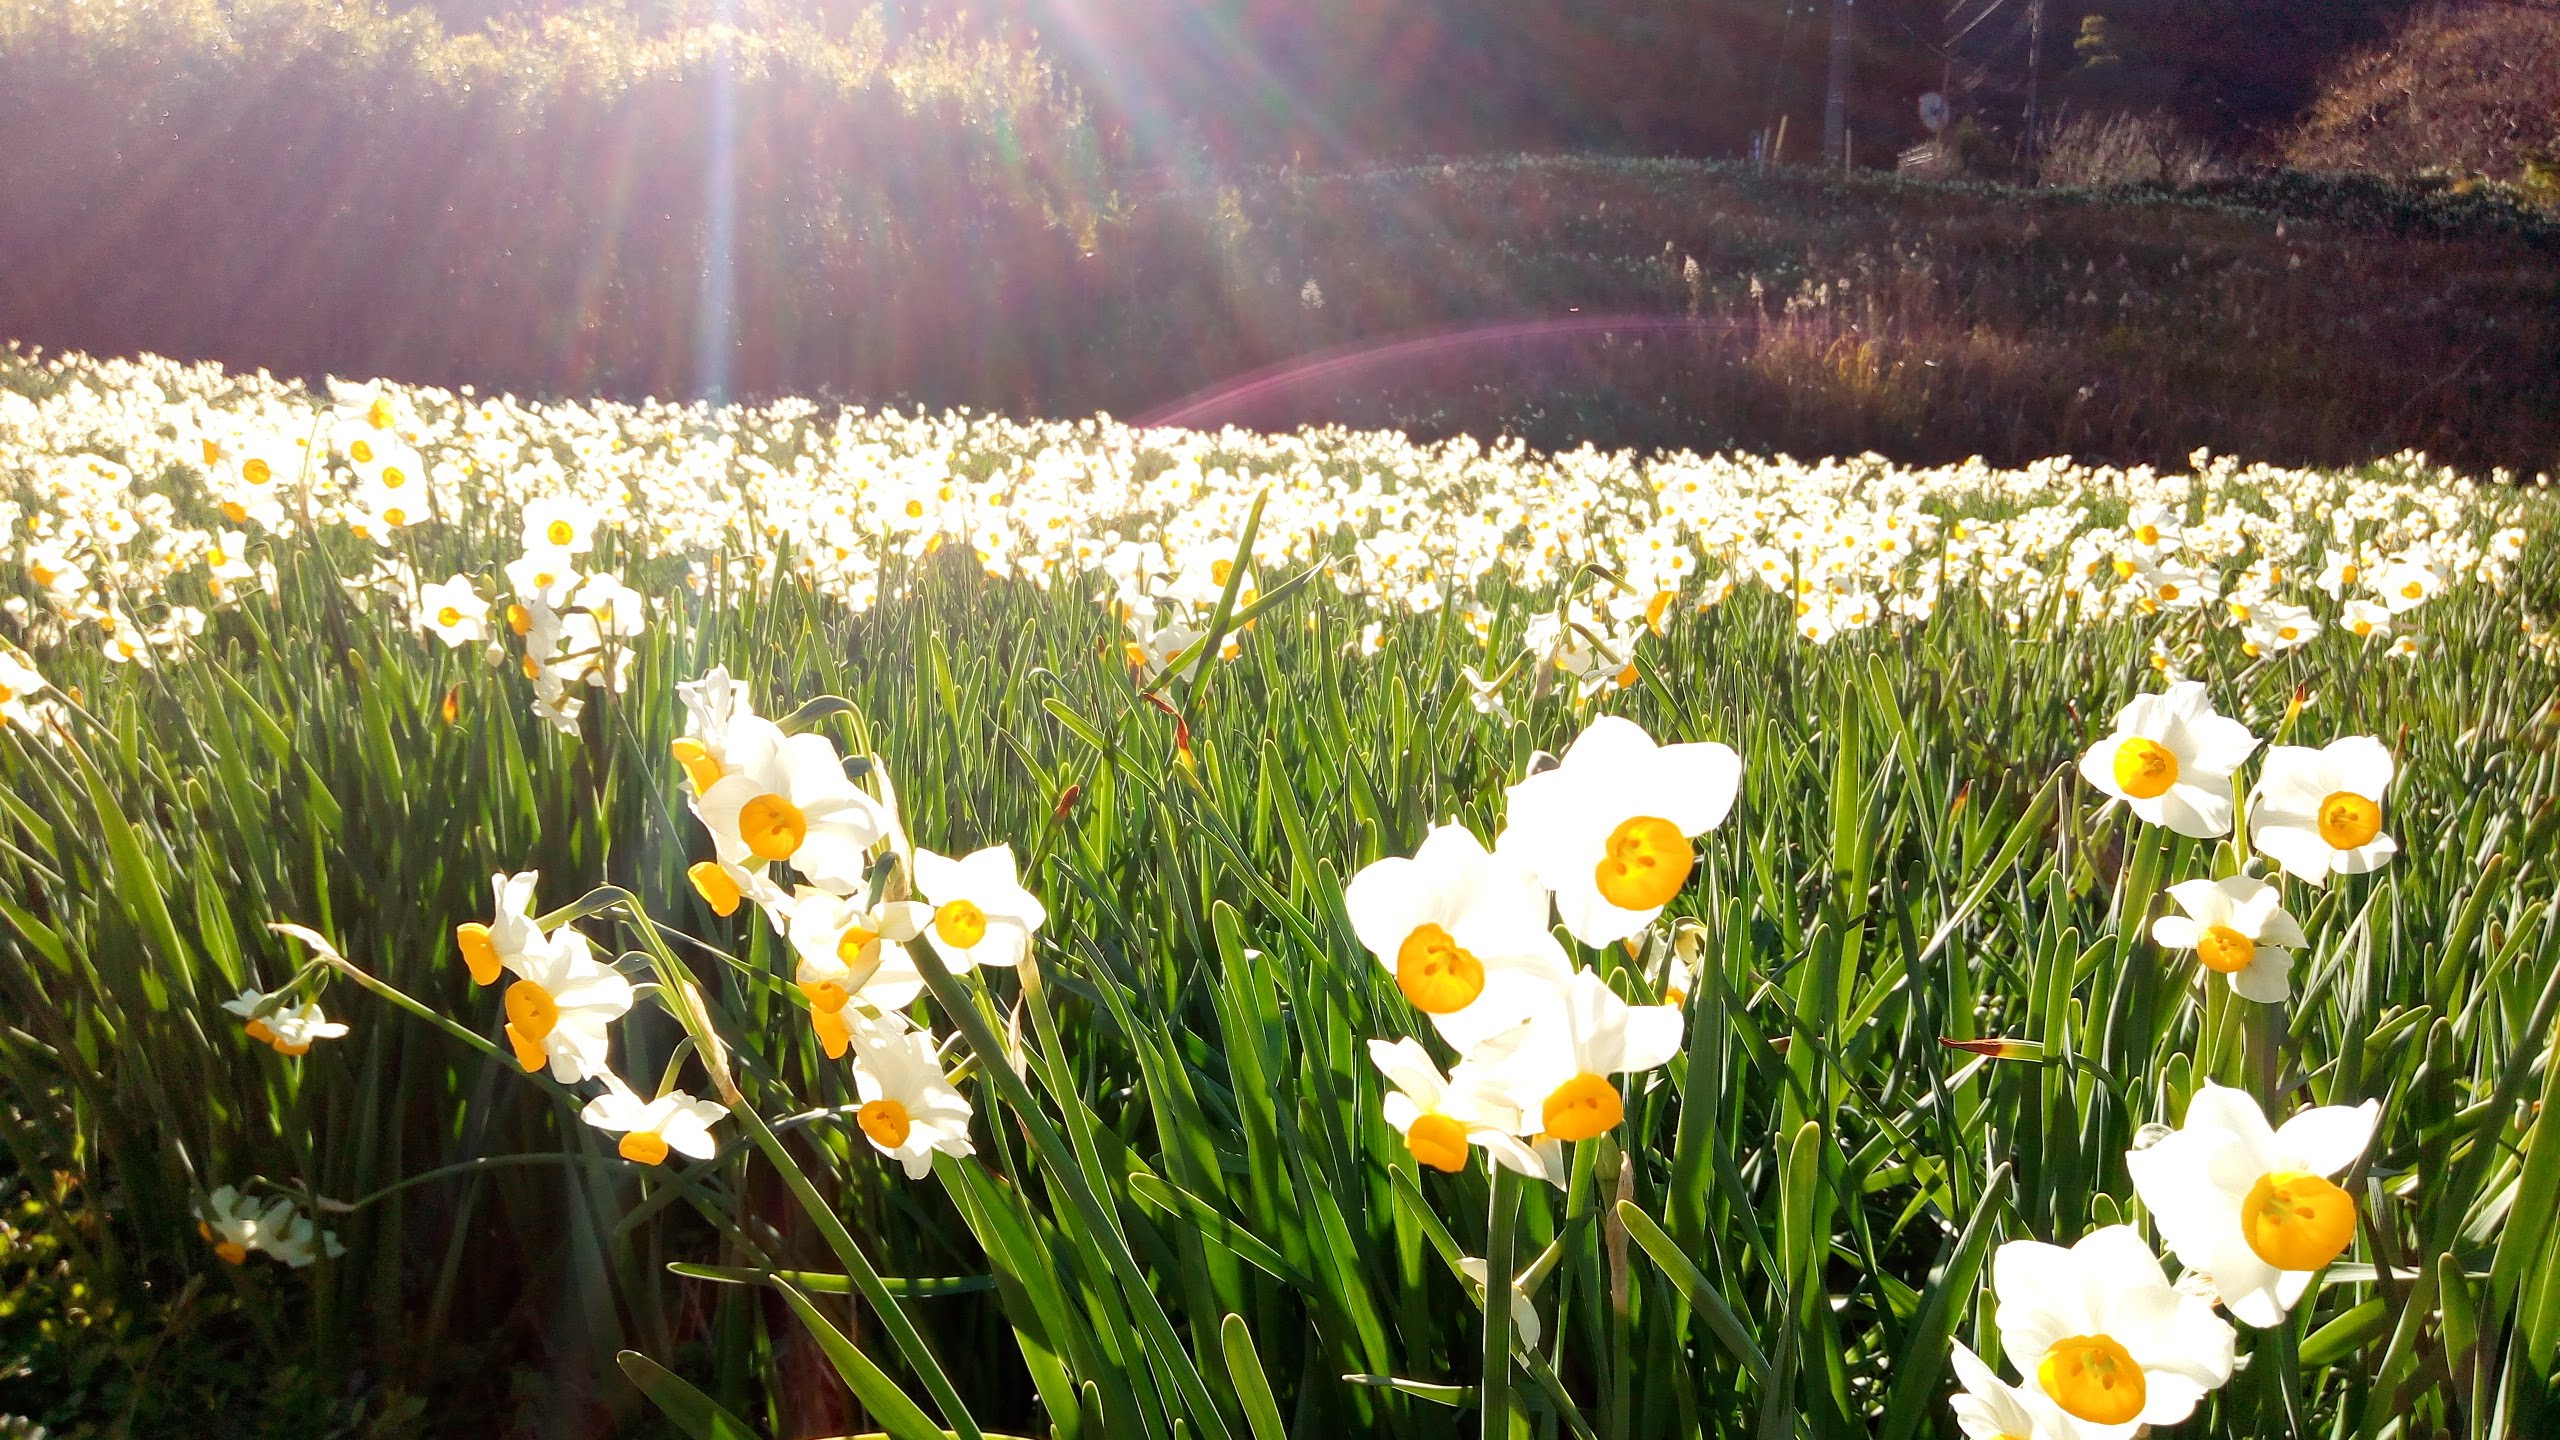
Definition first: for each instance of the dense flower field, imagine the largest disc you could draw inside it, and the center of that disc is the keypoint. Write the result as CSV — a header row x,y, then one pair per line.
x,y
1128,932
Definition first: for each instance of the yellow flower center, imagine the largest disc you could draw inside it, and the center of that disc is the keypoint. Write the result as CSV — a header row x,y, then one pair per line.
x,y
698,765
378,414
479,951
915,509
1582,1107
2147,534
519,619
715,887
2348,820
232,1252
2296,1221
2094,1379
2224,950
1435,974
826,997
560,532
259,1031
1219,570
857,947
531,1016
886,1122
1439,1142
961,924
2412,591
644,1147
1648,860
449,616
256,471
393,477
360,452
2169,590
772,827
2145,769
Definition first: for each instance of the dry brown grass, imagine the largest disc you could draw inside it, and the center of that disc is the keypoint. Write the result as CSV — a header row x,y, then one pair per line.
x,y
2472,88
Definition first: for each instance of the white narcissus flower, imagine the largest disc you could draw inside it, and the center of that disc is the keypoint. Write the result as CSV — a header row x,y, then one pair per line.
x,y
651,1129
1608,829
231,1223
848,952
1559,1071
712,705
560,523
2239,930
2102,1333
981,913
454,612
1440,1116
558,1011
2253,1207
1463,932
491,948
2170,760
293,1030
785,799
909,1107
1990,1408
2318,812
19,683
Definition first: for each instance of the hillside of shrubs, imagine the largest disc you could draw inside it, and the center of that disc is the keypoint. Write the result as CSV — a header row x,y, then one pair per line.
x,y
799,203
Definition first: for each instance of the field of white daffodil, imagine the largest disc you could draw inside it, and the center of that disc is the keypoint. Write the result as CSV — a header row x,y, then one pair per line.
x,y
1092,932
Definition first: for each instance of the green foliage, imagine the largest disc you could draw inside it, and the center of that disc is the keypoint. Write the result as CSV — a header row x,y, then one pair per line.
x,y
1186,1215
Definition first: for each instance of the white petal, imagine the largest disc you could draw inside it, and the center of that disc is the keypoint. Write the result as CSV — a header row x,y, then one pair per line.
x,y
2329,1138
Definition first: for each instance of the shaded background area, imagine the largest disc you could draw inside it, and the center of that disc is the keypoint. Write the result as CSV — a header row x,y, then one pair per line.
x,y
1067,205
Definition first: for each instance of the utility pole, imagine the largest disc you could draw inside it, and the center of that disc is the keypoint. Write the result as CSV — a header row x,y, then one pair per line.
x,y
1835,110
2035,75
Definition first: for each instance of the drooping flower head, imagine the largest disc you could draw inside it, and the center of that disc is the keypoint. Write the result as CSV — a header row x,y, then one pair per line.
x,y
2254,1207
1559,1072
673,1123
1463,932
1441,1116
489,949
2319,812
909,1107
2102,1333
1608,829
2170,760
2239,930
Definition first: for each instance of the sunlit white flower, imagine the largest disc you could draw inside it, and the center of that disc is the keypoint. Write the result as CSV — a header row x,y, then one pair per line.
x,y
786,799
651,1129
2170,760
487,949
909,1108
981,913
1559,1072
848,952
560,523
2315,812
2239,930
1990,1408
2102,1333
1608,829
559,1008
2255,1208
1441,1116
1463,932
454,612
